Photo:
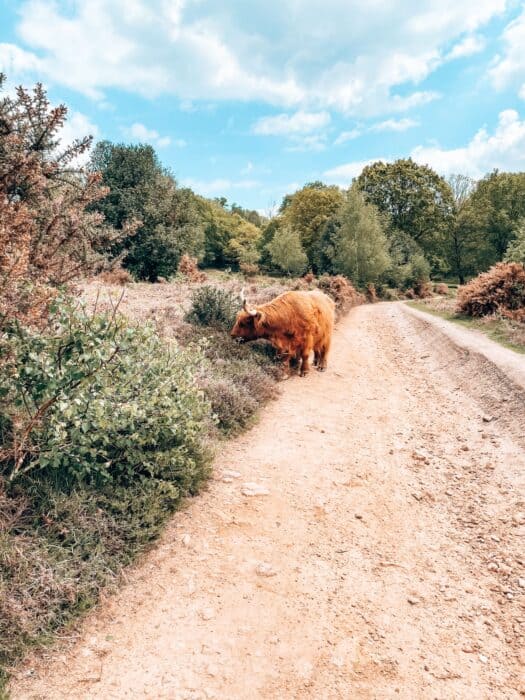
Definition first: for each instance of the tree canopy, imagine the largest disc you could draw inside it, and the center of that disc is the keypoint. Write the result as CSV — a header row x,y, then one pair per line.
x,y
141,189
307,212
416,199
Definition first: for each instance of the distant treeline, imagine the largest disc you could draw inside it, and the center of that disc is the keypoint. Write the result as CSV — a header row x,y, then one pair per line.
x,y
397,221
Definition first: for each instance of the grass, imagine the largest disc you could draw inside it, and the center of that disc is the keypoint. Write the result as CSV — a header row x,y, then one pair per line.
x,y
509,334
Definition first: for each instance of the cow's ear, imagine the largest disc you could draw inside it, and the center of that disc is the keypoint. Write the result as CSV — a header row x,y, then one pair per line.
x,y
260,317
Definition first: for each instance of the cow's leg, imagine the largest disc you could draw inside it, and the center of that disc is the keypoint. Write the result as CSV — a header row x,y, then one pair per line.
x,y
323,356
305,356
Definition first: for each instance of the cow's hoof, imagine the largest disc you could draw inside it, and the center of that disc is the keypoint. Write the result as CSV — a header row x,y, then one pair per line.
x,y
321,369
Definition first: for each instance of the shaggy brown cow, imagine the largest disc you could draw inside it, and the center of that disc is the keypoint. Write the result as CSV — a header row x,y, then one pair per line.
x,y
295,323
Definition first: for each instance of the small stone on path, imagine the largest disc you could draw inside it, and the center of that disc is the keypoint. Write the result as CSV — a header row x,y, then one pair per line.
x,y
253,489
265,569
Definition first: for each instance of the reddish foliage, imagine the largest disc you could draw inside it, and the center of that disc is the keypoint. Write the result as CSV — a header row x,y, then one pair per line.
x,y
500,290
371,294
441,288
116,276
422,289
342,292
249,269
189,268
47,235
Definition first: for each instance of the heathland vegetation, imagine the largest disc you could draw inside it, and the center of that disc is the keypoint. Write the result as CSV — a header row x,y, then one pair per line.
x,y
106,423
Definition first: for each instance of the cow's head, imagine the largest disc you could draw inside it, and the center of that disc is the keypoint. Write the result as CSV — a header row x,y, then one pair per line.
x,y
247,325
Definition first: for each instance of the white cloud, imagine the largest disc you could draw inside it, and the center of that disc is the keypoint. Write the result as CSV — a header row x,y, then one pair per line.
x,y
504,149
355,62
395,125
77,126
305,130
15,62
509,69
345,136
290,125
388,125
218,186
343,175
139,132
522,92
468,46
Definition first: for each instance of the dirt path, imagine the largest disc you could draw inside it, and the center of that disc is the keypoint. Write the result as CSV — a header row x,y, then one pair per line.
x,y
383,558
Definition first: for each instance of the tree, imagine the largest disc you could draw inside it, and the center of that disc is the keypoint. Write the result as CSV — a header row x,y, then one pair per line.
x,y
516,250
286,251
416,199
48,237
250,215
463,236
228,238
356,243
499,199
307,212
266,237
141,189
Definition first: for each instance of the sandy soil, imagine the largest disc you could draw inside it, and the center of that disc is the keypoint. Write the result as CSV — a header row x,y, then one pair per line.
x,y
380,555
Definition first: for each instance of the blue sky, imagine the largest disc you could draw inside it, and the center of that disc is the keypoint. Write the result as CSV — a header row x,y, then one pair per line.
x,y
250,99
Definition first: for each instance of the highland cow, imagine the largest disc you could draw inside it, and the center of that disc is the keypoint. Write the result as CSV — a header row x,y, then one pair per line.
x,y
295,323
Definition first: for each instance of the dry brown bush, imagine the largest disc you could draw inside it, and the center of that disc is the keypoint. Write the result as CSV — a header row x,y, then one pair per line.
x,y
371,294
500,290
189,268
48,236
422,289
115,276
309,277
441,288
342,292
249,269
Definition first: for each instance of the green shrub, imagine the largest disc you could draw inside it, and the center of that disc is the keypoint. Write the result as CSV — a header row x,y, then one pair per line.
x,y
213,307
98,400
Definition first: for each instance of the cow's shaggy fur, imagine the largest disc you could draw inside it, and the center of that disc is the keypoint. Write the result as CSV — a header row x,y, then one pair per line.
x,y
295,323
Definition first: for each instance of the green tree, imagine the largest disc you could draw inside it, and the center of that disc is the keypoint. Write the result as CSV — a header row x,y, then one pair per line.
x,y
516,250
307,212
464,238
141,189
415,198
267,235
357,245
286,251
228,238
250,215
500,200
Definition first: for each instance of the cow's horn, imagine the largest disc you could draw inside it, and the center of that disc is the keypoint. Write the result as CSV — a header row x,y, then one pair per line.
x,y
252,312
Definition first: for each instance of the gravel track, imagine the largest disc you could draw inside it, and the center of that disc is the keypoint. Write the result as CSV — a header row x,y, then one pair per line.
x,y
380,555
